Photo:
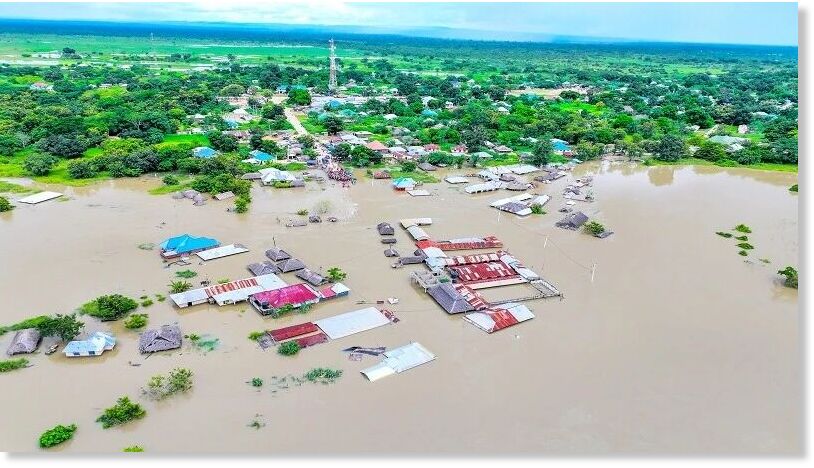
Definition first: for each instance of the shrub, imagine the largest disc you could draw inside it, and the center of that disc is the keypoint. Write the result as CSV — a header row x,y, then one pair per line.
x,y
133,448
241,205
302,212
289,348
186,274
170,179
256,335
223,280
257,382
179,380
324,375
81,169
726,163
110,307
135,321
743,228
122,412
741,238
743,253
146,302
537,208
791,276
594,228
793,188
9,365
745,246
39,164
336,274
724,234
180,286
57,435
5,205
160,297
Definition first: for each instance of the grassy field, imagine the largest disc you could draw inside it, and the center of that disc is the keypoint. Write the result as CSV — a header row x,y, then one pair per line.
x,y
704,162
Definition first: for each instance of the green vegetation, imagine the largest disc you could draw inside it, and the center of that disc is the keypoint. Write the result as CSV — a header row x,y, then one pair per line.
x,y
110,307
66,327
289,348
743,228
160,297
57,435
336,274
180,286
9,365
5,205
256,382
186,274
745,246
790,274
793,188
146,303
122,412
256,335
160,386
741,238
323,375
724,234
594,228
135,321
743,253
302,212
133,448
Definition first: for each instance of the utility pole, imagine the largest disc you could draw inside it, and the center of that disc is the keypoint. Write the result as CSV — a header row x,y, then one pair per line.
x,y
332,76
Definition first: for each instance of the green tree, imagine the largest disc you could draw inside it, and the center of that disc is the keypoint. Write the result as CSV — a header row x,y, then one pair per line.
x,y
5,205
711,151
122,412
670,148
109,307
299,97
791,276
57,435
408,166
66,327
541,153
232,90
289,348
180,286
81,169
271,111
341,152
333,124
336,274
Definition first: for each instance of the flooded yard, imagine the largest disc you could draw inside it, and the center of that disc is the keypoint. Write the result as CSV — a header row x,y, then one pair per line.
x,y
666,340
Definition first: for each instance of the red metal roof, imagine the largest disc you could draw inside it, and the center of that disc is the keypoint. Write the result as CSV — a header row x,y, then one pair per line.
x,y
282,334
503,318
489,242
312,340
294,294
483,271
233,286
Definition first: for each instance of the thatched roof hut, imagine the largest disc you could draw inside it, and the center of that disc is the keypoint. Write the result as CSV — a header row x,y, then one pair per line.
x,y
25,341
314,219
389,240
162,339
277,255
517,186
573,221
292,264
427,167
263,268
385,229
391,252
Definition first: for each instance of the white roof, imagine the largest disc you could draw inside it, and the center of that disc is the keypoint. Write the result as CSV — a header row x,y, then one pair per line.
x,y
541,200
39,197
399,360
486,187
500,170
223,251
417,233
349,323
483,321
419,193
486,174
456,179
234,291
517,198
434,252
405,223
524,169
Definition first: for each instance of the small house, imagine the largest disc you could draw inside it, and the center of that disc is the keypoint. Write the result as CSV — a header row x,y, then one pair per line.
x,y
573,221
277,255
291,264
426,167
503,149
459,149
385,229
186,244
449,298
294,296
263,268
404,183
24,342
160,339
377,146
310,277
94,345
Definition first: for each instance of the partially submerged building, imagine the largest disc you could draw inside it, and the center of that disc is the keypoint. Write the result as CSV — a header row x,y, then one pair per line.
x,y
186,244
24,342
228,293
288,297
573,221
291,264
449,298
94,345
310,277
165,338
263,268
499,317
385,229
276,255
399,360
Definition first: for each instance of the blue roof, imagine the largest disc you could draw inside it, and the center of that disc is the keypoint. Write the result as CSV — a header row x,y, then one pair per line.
x,y
92,343
403,182
261,155
204,152
429,113
187,243
559,145
333,104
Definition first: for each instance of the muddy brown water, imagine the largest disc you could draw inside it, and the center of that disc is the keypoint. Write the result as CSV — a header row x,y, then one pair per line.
x,y
677,346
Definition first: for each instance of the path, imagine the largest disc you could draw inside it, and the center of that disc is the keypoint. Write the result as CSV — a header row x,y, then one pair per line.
x,y
294,121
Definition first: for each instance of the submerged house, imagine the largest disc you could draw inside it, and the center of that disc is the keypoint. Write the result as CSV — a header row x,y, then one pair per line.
x,y
94,345
404,183
186,244
160,339
227,293
385,229
291,264
263,268
573,221
277,255
449,298
25,341
310,277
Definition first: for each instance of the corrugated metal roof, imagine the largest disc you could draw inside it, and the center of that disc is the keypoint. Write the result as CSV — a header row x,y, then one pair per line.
x,y
350,323
220,252
39,197
399,360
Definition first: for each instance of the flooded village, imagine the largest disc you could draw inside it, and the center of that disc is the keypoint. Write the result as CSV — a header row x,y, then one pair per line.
x,y
650,329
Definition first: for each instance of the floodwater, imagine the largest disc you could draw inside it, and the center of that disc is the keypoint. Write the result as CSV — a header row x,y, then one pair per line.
x,y
676,346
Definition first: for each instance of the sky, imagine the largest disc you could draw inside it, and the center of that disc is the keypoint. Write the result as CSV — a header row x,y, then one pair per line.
x,y
729,23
